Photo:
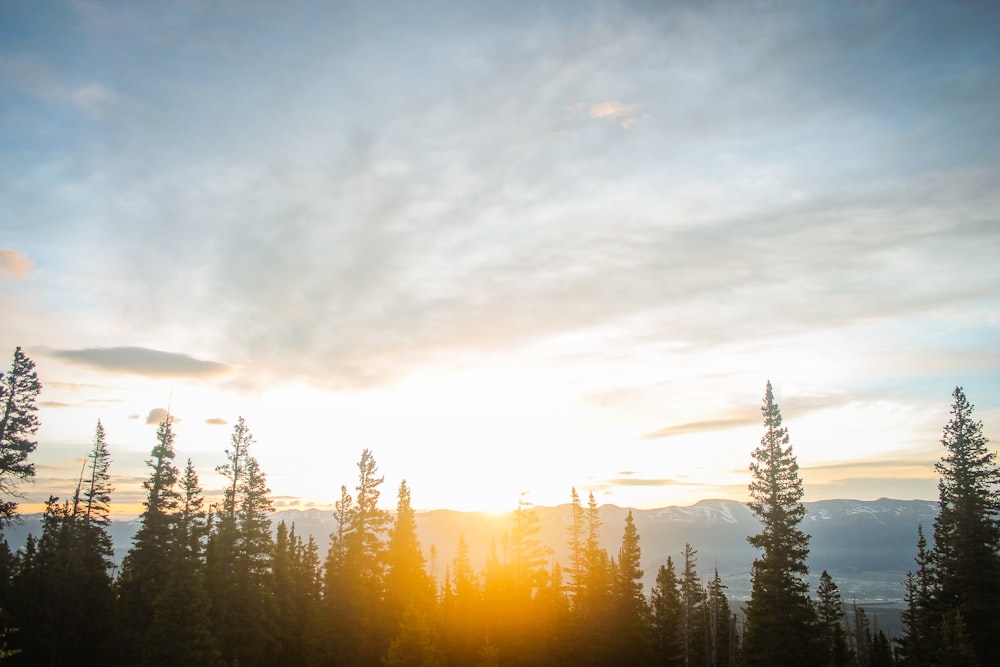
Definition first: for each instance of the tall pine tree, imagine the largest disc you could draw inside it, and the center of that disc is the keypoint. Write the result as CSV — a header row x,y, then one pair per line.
x,y
239,557
18,424
967,531
147,563
779,616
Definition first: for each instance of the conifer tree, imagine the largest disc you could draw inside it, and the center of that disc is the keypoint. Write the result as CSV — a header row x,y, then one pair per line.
x,y
830,617
355,572
142,578
915,645
692,603
967,531
406,581
238,557
667,617
296,587
779,614
577,548
719,623
631,623
19,390
180,631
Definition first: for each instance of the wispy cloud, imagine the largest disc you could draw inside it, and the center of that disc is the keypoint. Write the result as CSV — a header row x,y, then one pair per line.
x,y
14,265
141,361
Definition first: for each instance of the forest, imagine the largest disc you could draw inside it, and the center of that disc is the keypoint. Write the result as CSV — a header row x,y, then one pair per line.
x,y
219,585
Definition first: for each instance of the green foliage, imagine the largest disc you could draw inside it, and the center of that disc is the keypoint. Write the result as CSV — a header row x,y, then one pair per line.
x,y
416,645
19,390
667,617
239,558
831,618
145,567
779,614
966,551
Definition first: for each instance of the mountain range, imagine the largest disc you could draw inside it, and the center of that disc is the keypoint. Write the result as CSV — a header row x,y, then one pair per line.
x,y
866,546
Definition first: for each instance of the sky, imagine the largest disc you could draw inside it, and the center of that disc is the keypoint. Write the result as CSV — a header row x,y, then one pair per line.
x,y
510,248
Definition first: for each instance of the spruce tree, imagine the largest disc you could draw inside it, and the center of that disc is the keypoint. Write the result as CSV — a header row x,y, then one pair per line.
x,y
147,563
779,614
667,617
406,581
239,557
831,617
19,390
692,604
630,624
577,548
180,632
967,531
719,624
915,644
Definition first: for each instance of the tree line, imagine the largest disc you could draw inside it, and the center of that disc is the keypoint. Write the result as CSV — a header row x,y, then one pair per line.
x,y
215,585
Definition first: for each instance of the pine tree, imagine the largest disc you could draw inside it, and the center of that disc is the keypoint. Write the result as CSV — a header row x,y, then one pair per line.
x,y
180,631
407,584
631,621
779,614
239,555
355,571
577,549
18,425
692,604
667,617
296,587
142,578
719,624
830,616
967,532
915,645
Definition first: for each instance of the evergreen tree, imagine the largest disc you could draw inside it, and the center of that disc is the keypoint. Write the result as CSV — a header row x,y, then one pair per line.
x,y
779,614
719,623
967,531
296,587
144,568
915,645
407,584
577,549
239,557
667,617
355,572
830,616
631,623
416,645
180,631
692,604
19,390
461,609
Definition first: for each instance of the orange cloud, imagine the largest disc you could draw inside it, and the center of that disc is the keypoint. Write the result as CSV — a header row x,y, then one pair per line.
x,y
14,264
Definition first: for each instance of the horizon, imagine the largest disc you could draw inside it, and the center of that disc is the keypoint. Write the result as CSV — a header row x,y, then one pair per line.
x,y
508,250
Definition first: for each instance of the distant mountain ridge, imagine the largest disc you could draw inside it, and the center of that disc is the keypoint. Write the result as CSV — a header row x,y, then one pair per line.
x,y
867,546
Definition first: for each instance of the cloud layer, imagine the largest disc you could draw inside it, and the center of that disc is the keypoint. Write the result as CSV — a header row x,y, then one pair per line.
x,y
141,361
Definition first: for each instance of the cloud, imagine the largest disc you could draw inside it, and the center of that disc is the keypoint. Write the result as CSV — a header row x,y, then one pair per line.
x,y
93,98
638,481
705,426
763,198
141,361
55,404
216,421
159,415
14,265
